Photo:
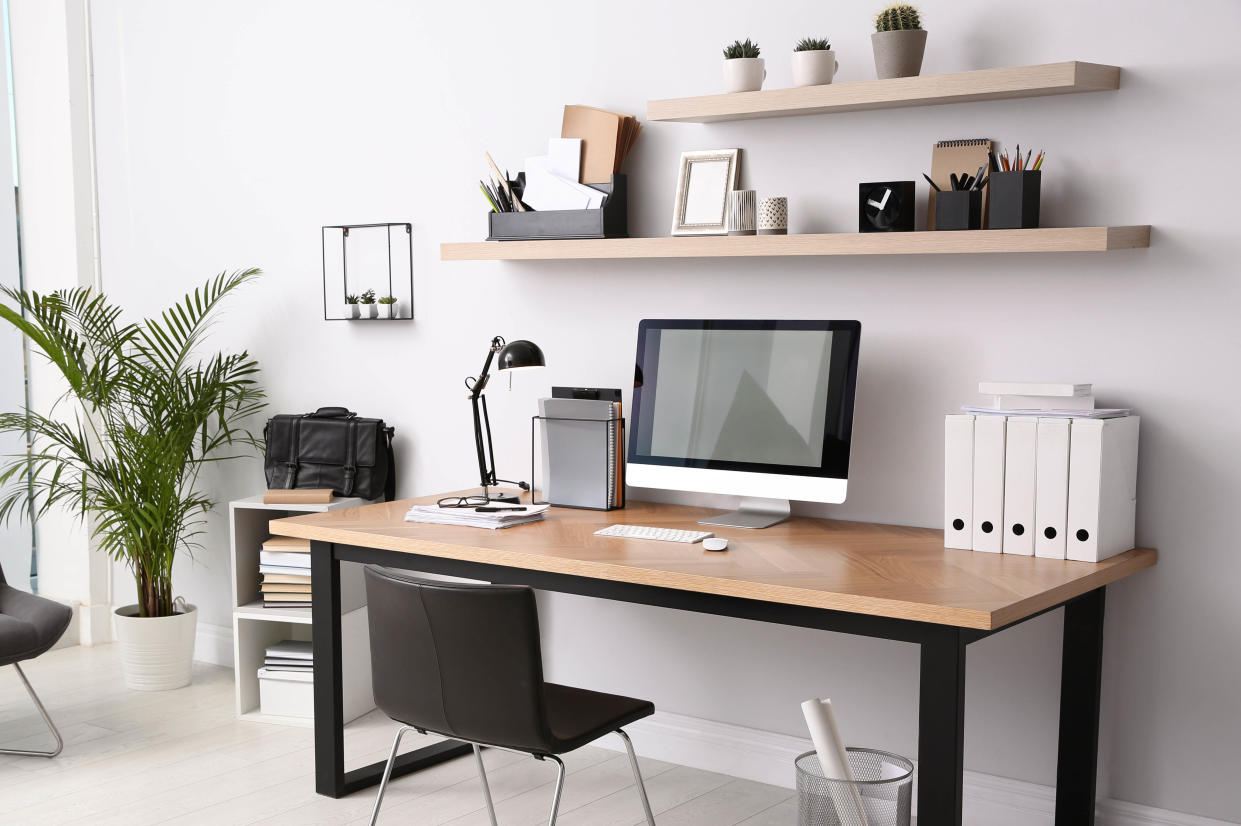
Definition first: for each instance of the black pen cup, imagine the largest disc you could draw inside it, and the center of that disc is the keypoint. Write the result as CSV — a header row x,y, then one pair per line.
x,y
958,209
1014,199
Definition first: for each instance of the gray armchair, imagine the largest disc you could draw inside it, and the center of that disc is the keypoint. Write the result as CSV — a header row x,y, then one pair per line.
x,y
30,625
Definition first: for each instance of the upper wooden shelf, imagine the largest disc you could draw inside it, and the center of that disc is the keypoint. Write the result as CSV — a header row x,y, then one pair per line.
x,y
1062,239
958,87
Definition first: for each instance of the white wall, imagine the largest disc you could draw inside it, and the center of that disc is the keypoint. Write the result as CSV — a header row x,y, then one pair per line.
x,y
229,132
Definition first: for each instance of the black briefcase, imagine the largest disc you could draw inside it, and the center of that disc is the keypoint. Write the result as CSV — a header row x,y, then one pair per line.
x,y
331,448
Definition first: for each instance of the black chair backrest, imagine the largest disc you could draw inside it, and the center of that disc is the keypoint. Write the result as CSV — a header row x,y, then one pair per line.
x,y
458,659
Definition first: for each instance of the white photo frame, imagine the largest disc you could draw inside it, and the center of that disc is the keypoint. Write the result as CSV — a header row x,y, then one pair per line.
x,y
703,183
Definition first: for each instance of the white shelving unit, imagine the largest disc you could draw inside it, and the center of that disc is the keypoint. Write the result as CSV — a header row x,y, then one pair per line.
x,y
256,627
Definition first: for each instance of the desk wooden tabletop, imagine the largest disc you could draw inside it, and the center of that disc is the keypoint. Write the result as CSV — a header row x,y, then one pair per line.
x,y
860,567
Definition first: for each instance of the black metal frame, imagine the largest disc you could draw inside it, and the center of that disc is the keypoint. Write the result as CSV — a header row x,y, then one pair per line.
x,y
941,715
344,228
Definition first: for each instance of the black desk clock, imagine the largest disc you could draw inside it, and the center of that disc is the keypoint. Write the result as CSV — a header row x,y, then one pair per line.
x,y
886,207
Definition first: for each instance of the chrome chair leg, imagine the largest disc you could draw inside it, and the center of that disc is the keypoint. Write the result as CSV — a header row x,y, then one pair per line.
x,y
383,784
637,777
60,744
551,821
482,776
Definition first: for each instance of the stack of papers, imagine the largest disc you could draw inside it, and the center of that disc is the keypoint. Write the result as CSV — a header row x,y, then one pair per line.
x,y
470,517
1097,413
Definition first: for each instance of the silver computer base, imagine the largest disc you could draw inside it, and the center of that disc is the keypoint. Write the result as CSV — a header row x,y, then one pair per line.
x,y
753,512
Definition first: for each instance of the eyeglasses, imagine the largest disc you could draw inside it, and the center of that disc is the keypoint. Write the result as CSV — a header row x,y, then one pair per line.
x,y
463,501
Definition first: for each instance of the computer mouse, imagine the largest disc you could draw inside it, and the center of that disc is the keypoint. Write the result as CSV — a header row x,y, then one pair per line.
x,y
715,543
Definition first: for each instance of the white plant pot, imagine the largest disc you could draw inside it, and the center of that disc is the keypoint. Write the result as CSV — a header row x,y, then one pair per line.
x,y
351,311
744,74
814,68
387,311
157,653
367,310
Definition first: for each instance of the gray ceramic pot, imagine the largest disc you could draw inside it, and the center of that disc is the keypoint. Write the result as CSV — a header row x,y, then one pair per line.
x,y
899,53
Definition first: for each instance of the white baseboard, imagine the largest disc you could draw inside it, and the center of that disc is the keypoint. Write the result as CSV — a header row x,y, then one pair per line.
x,y
214,644
768,758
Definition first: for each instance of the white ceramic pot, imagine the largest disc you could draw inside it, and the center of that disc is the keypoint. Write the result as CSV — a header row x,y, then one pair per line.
x,y
387,311
814,68
744,74
368,310
351,311
157,653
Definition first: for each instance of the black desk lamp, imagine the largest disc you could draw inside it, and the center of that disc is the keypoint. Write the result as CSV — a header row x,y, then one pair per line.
x,y
511,356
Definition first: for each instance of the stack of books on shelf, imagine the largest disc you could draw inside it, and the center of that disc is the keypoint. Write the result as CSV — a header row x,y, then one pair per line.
x,y
288,656
284,563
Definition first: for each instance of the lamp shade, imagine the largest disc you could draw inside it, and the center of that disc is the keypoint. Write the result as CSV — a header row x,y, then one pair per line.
x,y
518,354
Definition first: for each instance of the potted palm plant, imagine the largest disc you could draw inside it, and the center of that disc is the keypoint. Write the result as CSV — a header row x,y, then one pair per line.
x,y
150,414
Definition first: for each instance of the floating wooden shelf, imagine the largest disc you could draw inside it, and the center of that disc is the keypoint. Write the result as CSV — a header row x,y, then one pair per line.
x,y
958,87
1067,239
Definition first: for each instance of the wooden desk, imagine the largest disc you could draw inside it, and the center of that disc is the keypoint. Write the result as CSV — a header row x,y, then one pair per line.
x,y
881,581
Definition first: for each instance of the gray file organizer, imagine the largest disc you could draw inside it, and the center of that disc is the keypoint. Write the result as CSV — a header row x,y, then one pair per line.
x,y
583,454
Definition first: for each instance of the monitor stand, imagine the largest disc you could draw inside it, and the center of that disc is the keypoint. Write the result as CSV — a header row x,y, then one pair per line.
x,y
753,512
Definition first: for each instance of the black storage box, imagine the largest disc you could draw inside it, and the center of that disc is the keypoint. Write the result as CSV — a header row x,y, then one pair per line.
x,y
958,209
1014,199
609,221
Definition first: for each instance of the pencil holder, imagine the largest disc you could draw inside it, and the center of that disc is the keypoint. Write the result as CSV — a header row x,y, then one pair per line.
x,y
1014,199
958,209
880,794
740,212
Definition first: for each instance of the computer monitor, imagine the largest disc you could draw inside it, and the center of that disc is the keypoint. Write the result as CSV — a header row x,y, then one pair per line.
x,y
757,409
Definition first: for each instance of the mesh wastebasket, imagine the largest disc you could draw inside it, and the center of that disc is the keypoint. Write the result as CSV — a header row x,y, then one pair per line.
x,y
883,784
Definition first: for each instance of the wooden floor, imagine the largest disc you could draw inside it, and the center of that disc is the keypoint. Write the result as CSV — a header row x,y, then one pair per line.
x,y
181,757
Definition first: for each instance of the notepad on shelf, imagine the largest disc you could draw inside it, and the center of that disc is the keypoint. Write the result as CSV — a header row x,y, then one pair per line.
x,y
472,518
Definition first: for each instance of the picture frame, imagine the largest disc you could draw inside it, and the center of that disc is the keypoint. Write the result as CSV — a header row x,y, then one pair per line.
x,y
705,178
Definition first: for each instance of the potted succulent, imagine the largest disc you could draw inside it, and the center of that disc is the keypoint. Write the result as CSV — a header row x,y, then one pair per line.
x,y
351,306
743,69
387,306
149,416
899,41
814,62
367,302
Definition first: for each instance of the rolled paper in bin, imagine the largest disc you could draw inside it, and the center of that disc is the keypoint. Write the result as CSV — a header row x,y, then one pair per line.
x,y
825,736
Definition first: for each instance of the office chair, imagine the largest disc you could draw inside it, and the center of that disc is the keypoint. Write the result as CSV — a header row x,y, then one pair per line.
x,y
464,661
30,625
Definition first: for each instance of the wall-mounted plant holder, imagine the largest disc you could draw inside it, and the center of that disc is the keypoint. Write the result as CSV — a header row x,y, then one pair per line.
x,y
1014,199
958,209
374,258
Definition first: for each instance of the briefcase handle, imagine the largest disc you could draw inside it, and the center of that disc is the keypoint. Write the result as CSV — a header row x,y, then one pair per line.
x,y
332,413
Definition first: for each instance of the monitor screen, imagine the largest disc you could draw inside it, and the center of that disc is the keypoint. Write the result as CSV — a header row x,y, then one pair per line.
x,y
767,396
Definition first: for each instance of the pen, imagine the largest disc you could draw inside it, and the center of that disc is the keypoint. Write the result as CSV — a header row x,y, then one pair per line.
x,y
932,183
486,509
1017,160
1026,165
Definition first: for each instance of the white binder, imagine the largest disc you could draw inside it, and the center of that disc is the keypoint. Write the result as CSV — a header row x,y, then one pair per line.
x,y
959,481
1103,474
1051,490
989,483
1021,439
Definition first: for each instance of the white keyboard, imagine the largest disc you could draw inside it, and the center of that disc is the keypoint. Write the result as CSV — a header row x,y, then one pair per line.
x,y
659,534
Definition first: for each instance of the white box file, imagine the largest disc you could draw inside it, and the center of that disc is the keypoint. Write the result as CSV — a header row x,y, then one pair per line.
x,y
1103,477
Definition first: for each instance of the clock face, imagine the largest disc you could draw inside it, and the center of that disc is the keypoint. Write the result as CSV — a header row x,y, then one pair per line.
x,y
883,207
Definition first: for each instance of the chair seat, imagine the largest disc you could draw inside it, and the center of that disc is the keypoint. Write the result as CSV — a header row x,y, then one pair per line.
x,y
578,716
29,625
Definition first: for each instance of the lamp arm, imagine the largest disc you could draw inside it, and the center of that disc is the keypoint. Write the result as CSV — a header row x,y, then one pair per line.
x,y
482,425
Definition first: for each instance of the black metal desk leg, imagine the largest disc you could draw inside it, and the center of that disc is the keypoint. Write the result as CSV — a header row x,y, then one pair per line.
x,y
1080,678
329,709
941,727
